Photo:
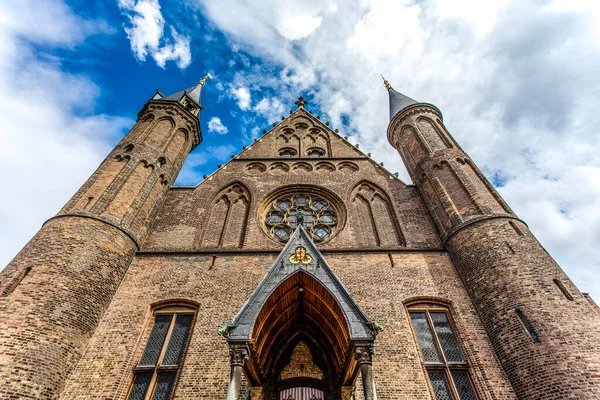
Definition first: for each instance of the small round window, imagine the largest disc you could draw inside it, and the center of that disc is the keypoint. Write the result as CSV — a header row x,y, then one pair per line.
x,y
320,217
287,153
316,153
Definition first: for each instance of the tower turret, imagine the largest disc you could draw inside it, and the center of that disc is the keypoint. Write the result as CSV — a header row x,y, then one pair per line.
x,y
544,331
54,292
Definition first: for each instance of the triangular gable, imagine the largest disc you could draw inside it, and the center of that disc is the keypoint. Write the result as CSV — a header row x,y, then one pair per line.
x,y
357,322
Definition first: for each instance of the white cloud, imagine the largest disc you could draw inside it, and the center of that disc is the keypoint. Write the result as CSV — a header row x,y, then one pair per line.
x,y
270,108
210,154
146,34
242,95
42,121
516,92
215,125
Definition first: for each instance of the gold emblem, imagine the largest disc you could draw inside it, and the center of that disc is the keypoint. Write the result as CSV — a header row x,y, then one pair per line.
x,y
300,256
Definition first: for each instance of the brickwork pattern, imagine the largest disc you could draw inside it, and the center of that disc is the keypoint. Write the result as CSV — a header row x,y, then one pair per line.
x,y
76,265
503,267
105,370
519,275
57,288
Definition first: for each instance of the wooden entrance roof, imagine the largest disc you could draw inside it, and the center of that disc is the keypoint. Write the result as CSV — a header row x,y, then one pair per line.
x,y
300,292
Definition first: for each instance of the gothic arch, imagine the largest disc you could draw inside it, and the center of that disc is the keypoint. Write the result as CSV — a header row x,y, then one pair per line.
x,y
226,226
159,132
302,167
373,210
430,131
141,127
176,144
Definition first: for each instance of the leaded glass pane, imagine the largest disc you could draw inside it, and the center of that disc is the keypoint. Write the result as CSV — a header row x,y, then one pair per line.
x,y
327,217
440,385
301,200
283,205
164,385
319,204
156,340
463,385
178,340
282,233
425,337
446,337
321,233
140,387
274,218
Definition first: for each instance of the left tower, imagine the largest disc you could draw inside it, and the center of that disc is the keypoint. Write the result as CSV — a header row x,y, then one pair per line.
x,y
54,292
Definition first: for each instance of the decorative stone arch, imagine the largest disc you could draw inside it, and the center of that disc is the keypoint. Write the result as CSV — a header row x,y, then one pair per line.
x,y
301,299
374,210
228,219
159,131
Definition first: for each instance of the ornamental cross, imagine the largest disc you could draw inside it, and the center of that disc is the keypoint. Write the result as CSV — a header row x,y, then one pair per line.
x,y
300,103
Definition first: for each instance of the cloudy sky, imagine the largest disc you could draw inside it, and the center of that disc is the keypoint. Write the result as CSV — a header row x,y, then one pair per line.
x,y
517,81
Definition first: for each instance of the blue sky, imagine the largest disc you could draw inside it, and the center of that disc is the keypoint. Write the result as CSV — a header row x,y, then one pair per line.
x,y
517,83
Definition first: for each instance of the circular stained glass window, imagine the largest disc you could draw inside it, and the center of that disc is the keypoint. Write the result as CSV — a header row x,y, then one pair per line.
x,y
317,213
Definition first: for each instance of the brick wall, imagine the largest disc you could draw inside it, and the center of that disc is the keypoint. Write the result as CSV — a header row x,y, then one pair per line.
x,y
105,370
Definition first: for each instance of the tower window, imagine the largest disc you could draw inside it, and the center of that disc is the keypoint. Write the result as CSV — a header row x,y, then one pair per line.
x,y
287,152
563,289
160,162
527,325
162,358
316,153
446,367
516,228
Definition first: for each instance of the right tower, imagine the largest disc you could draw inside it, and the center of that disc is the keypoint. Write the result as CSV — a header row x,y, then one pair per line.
x,y
545,332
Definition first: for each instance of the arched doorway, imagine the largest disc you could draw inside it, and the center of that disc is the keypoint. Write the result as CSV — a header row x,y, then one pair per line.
x,y
300,336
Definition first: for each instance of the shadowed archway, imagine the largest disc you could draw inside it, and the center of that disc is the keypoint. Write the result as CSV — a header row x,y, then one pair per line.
x,y
300,302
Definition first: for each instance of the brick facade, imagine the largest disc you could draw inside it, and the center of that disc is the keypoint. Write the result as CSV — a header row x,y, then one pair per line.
x,y
78,302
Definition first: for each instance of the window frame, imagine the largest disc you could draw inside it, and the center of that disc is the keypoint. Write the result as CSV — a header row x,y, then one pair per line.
x,y
447,367
316,150
293,152
158,369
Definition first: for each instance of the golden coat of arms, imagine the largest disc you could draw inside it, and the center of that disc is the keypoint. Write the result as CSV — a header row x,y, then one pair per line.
x,y
300,255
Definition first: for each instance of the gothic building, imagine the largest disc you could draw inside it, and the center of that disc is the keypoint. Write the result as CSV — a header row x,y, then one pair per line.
x,y
301,269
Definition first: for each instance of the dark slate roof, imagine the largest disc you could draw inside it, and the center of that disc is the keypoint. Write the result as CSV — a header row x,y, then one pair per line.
x,y
194,93
283,268
399,102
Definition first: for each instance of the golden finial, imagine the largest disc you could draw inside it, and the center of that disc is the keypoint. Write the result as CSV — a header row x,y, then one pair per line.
x,y
203,80
386,83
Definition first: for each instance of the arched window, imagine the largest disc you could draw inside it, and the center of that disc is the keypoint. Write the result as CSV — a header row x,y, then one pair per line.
x,y
162,358
446,367
287,152
315,152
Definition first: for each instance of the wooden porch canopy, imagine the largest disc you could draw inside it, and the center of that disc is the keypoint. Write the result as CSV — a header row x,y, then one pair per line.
x,y
301,293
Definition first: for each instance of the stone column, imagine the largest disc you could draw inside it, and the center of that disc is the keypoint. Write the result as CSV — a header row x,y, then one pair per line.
x,y
238,355
256,393
364,357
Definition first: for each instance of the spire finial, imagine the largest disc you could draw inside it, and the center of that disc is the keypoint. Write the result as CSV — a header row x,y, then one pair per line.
x,y
203,80
386,83
301,102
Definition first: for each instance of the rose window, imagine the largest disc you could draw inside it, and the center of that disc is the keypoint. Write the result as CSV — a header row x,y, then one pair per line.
x,y
317,214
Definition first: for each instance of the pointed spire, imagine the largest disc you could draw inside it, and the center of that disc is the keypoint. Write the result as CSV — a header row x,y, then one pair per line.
x,y
192,95
398,101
